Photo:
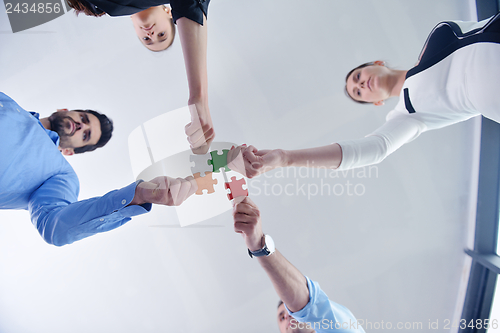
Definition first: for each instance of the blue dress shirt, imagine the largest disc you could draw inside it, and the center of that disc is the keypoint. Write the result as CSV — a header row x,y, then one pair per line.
x,y
35,176
323,315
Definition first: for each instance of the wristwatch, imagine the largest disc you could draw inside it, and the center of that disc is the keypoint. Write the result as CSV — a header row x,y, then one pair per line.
x,y
267,250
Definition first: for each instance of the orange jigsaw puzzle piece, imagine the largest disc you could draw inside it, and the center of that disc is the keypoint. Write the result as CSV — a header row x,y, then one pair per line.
x,y
205,183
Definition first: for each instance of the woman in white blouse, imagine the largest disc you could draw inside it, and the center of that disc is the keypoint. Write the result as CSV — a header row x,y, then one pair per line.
x,y
457,77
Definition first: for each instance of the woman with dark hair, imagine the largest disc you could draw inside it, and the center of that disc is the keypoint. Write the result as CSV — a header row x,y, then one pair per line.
x,y
152,20
456,78
154,24
155,27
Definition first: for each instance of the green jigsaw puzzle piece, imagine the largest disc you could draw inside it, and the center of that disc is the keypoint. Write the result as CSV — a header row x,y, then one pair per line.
x,y
219,161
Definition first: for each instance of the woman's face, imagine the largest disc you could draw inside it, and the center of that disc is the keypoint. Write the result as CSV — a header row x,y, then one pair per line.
x,y
369,84
154,27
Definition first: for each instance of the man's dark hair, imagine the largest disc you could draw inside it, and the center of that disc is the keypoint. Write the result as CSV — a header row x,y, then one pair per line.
x,y
106,132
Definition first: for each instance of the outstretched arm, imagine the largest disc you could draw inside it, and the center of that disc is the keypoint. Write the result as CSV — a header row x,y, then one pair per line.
x,y
194,47
61,219
251,162
303,297
164,190
289,283
344,155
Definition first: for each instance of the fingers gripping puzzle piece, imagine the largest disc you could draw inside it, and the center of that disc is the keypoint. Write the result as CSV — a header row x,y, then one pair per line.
x,y
219,161
201,164
236,187
205,183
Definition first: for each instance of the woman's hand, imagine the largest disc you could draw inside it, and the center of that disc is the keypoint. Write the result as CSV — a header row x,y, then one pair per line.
x,y
251,162
193,38
200,132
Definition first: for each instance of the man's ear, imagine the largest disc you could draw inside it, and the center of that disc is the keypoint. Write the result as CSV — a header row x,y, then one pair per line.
x,y
62,110
379,103
67,151
379,62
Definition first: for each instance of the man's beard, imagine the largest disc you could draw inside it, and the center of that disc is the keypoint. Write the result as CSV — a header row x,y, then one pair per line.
x,y
61,124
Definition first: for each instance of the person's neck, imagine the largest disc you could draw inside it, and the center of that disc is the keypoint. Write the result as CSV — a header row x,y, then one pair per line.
x,y
397,79
46,123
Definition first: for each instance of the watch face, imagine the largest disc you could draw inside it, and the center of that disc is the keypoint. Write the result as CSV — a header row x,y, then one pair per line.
x,y
269,244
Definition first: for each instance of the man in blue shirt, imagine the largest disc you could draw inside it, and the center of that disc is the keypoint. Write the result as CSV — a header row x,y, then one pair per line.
x,y
307,308
35,176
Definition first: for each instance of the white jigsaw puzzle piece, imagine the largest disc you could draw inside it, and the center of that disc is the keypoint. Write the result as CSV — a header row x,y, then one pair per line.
x,y
201,164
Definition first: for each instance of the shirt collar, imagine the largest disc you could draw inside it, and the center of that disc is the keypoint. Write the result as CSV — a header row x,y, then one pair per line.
x,y
52,135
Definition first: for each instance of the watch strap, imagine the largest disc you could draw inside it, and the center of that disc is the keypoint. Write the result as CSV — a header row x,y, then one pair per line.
x,y
259,253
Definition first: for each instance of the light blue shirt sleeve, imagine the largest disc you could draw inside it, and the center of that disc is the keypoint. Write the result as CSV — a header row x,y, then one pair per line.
x,y
36,177
61,219
323,315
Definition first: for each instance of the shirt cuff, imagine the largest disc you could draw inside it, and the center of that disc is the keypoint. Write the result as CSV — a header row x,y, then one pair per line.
x,y
347,155
193,10
123,197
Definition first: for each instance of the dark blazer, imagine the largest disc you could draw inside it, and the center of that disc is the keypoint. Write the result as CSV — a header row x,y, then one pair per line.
x,y
192,9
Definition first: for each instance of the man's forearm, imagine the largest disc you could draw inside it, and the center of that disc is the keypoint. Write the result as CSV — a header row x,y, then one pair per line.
x,y
327,156
61,219
288,281
143,193
164,190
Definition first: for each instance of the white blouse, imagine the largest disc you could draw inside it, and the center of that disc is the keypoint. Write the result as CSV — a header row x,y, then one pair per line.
x,y
438,93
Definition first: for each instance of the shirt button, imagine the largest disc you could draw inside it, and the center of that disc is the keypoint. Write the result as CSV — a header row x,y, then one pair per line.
x,y
101,220
124,202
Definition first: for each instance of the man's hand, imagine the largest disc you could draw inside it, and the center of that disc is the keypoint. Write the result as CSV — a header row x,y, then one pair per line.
x,y
200,131
165,190
247,222
251,162
288,282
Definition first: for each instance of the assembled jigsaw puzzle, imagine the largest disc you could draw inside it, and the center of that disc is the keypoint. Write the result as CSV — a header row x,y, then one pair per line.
x,y
214,162
150,158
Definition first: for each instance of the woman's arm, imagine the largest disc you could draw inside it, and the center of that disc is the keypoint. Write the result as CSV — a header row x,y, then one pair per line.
x,y
375,147
344,155
194,47
254,161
